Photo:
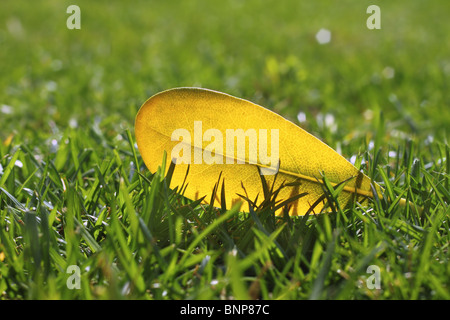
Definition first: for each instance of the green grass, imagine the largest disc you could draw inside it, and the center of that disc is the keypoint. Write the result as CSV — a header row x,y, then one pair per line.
x,y
74,189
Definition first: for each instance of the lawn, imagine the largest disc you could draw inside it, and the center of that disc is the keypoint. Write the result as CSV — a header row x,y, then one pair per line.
x,y
81,217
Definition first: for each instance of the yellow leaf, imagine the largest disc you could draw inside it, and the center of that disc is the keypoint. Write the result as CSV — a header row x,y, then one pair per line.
x,y
195,127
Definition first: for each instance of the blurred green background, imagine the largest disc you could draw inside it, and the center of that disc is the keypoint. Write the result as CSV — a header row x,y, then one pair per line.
x,y
264,51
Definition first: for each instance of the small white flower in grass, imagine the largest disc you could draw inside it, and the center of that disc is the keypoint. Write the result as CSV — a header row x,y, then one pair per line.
x,y
323,36
214,282
329,122
301,117
368,114
388,72
73,123
18,163
326,121
54,145
6,109
51,86
392,154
